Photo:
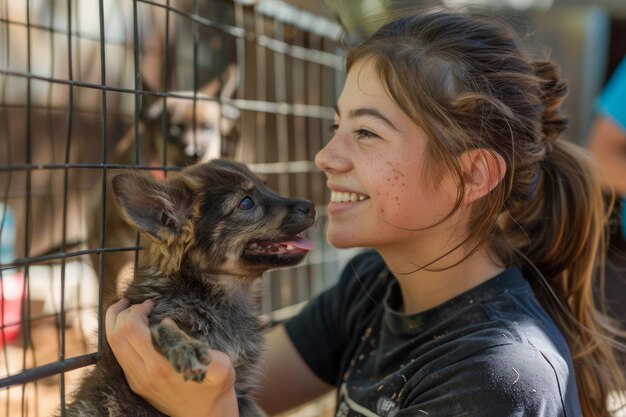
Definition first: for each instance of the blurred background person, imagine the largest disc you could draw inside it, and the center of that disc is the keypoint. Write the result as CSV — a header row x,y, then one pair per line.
x,y
607,141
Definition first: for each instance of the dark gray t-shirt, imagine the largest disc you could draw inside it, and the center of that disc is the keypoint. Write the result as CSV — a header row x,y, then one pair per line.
x,y
492,351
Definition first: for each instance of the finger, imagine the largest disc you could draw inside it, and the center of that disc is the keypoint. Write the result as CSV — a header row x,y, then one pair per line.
x,y
127,328
112,312
220,372
120,315
137,312
144,309
130,340
131,324
129,359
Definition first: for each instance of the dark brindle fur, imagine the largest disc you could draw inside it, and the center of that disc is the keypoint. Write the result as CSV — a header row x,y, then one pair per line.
x,y
214,230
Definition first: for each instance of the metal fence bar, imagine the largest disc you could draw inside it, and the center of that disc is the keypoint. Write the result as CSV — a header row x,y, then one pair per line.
x,y
254,105
26,339
34,374
62,321
103,183
261,168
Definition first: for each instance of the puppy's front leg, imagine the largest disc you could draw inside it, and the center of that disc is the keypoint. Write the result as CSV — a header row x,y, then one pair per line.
x,y
187,355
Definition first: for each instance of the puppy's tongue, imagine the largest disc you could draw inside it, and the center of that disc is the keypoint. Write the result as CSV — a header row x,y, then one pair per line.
x,y
300,242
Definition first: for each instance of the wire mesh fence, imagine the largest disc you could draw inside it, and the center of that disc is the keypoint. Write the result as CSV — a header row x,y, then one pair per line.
x,y
90,88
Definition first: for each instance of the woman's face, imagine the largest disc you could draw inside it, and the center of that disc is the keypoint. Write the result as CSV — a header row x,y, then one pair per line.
x,y
375,165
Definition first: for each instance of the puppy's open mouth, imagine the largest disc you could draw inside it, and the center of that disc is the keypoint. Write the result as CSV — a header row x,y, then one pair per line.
x,y
296,245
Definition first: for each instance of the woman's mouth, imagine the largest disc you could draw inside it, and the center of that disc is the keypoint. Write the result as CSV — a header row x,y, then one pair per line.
x,y
346,197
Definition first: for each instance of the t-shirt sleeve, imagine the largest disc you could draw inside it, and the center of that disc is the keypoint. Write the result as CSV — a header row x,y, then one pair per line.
x,y
612,101
509,380
321,330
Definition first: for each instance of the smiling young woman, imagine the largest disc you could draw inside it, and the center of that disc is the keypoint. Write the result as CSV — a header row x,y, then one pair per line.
x,y
485,228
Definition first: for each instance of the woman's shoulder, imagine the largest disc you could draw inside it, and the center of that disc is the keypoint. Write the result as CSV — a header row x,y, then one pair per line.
x,y
504,376
500,352
509,357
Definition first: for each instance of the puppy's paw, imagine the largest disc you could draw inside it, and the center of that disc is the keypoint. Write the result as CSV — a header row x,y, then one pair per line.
x,y
187,355
191,358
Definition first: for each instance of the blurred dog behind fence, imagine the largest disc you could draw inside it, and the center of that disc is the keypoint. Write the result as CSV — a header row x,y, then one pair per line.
x,y
173,132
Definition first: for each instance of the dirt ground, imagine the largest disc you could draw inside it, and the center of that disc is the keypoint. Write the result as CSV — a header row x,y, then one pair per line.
x,y
42,397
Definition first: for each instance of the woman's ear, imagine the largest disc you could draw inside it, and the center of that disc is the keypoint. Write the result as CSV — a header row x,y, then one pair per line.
x,y
483,169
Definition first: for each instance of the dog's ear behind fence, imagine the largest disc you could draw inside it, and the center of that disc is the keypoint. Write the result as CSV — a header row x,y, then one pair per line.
x,y
156,208
151,106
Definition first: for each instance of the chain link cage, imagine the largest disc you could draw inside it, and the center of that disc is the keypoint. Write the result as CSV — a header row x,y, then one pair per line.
x,y
81,85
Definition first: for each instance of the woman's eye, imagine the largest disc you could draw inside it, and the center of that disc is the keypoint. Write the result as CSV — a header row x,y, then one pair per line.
x,y
359,133
365,134
246,203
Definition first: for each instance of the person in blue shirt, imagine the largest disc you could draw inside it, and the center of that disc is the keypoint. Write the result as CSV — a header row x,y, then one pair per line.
x,y
607,138
607,142
476,297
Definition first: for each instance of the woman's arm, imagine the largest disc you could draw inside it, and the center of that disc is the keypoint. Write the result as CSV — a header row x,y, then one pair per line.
x,y
151,376
288,381
607,141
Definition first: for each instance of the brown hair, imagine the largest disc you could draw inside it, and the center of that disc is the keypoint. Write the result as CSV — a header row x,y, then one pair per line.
x,y
467,82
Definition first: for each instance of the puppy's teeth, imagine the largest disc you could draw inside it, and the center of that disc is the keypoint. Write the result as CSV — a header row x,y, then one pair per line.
x,y
289,247
254,246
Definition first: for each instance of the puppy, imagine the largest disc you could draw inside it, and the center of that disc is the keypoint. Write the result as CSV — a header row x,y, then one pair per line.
x,y
195,131
199,129
214,229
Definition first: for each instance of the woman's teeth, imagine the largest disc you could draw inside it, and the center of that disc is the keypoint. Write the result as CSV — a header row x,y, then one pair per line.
x,y
341,197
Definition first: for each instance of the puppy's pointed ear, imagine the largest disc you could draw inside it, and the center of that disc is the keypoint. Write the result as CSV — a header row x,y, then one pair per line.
x,y
154,207
230,80
151,105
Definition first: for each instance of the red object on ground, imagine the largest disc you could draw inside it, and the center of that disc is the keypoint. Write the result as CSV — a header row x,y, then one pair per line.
x,y
11,296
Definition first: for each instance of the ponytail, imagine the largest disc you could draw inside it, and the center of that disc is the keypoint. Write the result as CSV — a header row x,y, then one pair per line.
x,y
559,236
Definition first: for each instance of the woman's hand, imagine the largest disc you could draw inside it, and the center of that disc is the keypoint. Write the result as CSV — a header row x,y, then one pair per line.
x,y
151,376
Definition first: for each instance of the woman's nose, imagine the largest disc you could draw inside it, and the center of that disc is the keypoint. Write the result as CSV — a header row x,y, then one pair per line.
x,y
333,158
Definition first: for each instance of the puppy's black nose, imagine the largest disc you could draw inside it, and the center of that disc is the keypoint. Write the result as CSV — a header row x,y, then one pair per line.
x,y
307,208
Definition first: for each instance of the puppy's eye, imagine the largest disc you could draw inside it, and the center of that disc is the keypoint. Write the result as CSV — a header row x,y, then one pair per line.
x,y
176,130
246,203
